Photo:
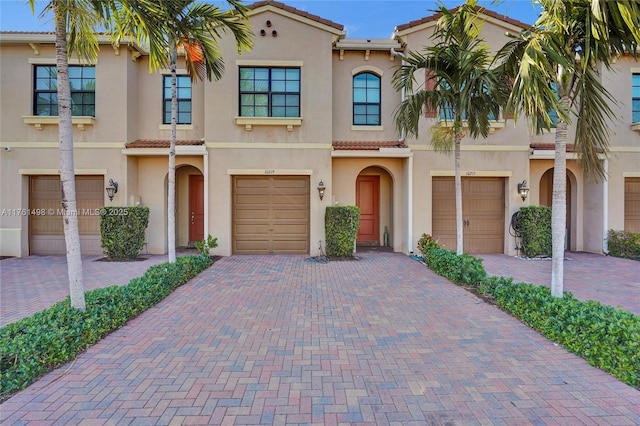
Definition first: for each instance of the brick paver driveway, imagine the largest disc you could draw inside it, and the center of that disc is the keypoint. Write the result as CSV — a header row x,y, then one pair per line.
x,y
280,340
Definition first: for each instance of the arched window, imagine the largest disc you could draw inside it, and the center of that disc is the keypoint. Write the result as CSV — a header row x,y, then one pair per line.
x,y
366,99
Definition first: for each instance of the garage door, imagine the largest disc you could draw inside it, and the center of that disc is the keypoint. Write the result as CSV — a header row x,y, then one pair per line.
x,y
482,213
46,232
270,214
632,204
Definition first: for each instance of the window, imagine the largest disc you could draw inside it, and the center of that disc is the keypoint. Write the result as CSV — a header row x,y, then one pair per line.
x,y
269,92
183,83
83,90
635,98
366,99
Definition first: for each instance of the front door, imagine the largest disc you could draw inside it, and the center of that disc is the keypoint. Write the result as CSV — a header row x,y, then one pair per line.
x,y
196,208
367,198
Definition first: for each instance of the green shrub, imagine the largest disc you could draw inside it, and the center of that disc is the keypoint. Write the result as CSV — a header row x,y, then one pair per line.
x,y
205,245
35,345
341,227
463,269
426,243
608,338
122,231
624,244
534,225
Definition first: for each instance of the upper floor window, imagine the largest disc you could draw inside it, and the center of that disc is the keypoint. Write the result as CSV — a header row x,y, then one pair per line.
x,y
269,92
82,80
183,83
635,98
366,99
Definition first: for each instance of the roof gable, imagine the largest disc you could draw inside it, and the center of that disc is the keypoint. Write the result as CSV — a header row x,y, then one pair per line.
x,y
297,14
485,14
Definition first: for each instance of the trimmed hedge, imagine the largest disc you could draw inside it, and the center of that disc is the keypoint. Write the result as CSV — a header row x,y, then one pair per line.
x,y
608,338
35,345
624,244
122,231
464,269
341,227
534,225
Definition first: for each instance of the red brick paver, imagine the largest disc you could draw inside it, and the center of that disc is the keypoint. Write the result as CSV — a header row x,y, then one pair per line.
x,y
280,340
609,280
31,284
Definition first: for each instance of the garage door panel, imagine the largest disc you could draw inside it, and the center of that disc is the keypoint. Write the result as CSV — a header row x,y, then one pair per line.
x,y
482,211
290,229
47,233
251,214
271,214
632,204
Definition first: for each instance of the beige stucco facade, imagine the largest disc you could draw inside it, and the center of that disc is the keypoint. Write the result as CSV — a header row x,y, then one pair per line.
x,y
126,141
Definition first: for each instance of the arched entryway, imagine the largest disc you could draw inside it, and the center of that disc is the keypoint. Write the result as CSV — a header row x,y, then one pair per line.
x,y
374,197
546,199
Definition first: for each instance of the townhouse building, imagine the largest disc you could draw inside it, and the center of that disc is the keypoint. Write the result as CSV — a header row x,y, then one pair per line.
x,y
301,122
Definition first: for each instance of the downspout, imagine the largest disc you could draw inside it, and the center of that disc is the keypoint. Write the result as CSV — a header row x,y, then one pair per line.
x,y
605,207
205,158
409,173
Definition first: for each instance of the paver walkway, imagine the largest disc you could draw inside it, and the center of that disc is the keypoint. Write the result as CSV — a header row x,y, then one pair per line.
x,y
610,280
31,284
279,340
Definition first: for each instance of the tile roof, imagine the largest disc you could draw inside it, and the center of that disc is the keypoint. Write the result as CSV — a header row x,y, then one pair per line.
x,y
366,145
298,12
551,147
160,143
487,12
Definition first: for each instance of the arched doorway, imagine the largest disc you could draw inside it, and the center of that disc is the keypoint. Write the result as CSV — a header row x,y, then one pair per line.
x,y
374,197
546,199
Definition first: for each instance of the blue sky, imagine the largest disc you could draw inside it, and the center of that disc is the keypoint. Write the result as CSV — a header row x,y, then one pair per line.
x,y
361,18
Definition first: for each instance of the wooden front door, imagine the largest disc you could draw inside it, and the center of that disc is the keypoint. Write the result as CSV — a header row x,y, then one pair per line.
x,y
196,208
367,198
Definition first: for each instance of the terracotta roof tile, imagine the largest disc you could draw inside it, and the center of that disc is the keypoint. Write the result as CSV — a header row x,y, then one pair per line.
x,y
366,145
160,143
298,12
487,12
551,147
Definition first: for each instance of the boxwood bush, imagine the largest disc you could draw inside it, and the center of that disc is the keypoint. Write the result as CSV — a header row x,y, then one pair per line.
x,y
534,226
35,345
122,231
624,244
341,227
608,338
464,269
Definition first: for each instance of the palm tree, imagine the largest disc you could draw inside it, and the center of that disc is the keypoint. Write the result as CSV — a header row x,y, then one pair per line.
x,y
193,27
76,22
459,82
555,65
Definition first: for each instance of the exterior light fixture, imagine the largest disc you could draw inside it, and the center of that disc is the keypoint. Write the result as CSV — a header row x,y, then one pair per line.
x,y
111,189
523,190
321,189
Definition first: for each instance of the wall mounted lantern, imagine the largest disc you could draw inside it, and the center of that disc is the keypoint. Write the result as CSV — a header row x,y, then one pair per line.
x,y
111,189
321,189
523,190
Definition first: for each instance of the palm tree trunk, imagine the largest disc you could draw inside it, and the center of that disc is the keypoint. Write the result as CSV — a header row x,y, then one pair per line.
x,y
559,205
171,196
67,173
458,185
